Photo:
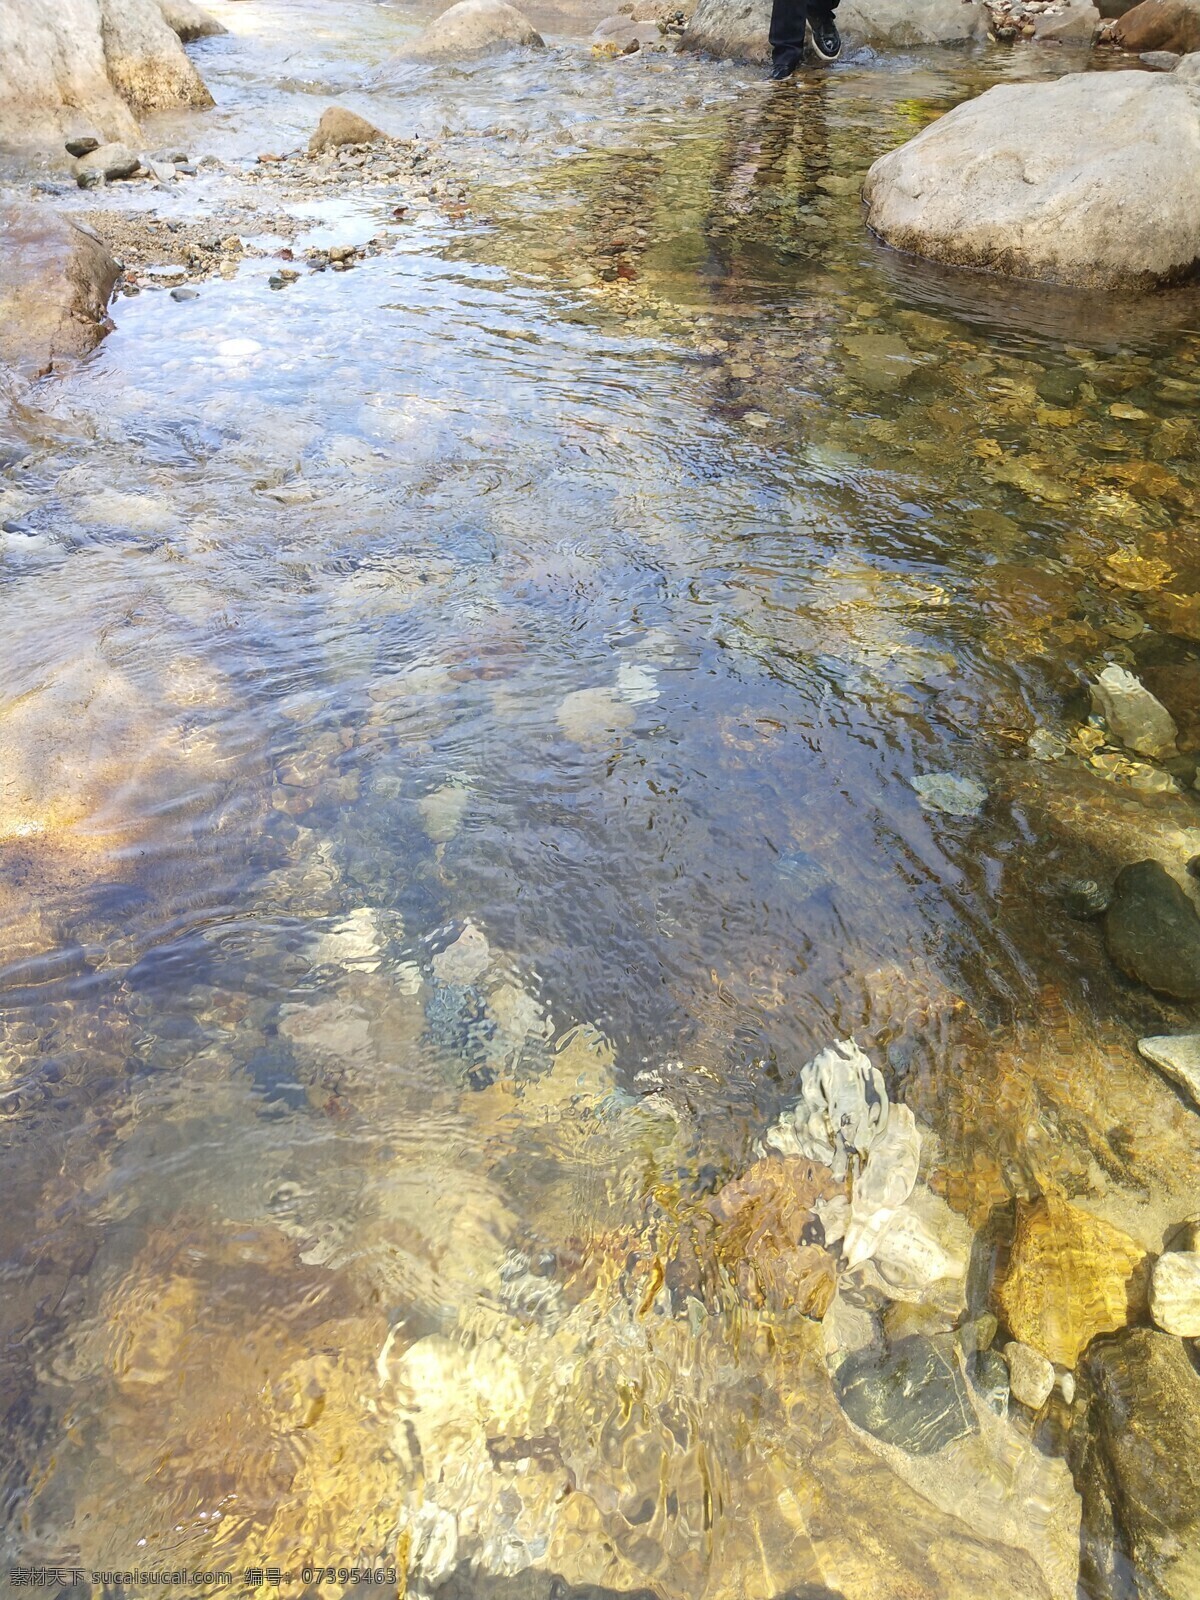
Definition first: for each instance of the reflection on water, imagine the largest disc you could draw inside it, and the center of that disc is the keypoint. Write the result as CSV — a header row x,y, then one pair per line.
x,y
459,738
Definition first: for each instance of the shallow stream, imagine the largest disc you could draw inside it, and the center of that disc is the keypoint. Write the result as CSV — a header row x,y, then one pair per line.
x,y
459,733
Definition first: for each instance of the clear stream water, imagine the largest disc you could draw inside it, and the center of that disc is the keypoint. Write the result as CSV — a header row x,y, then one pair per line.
x,y
458,733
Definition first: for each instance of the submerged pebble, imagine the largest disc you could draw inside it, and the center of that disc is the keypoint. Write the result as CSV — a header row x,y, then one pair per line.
x,y
957,797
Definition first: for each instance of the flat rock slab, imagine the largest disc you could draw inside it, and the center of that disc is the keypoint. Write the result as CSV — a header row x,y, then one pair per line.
x,y
55,281
1153,932
1093,180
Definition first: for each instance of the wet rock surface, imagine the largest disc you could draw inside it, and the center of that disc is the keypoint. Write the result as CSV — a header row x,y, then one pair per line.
x,y
338,127
55,282
106,164
1136,1459
1152,930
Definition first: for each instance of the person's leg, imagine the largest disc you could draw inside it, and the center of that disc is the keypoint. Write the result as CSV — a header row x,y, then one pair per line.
x,y
827,41
788,20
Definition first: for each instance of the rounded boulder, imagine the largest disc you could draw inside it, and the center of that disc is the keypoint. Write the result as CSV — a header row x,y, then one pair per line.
x,y
473,28
1091,180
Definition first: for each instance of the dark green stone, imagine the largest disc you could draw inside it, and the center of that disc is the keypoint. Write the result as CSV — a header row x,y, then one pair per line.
x,y
989,1374
1153,932
913,1395
1136,1460
1083,899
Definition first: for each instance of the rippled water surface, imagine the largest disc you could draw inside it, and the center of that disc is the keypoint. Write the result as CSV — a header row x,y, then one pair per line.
x,y
459,729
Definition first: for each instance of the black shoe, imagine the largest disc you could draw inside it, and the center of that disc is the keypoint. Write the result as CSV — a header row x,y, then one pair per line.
x,y
784,67
826,40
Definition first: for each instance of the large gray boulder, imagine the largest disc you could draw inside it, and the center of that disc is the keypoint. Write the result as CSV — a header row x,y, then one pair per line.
x,y
1093,180
472,28
737,29
66,64
1189,67
55,281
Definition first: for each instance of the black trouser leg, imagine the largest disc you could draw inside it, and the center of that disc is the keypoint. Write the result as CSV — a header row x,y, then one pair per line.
x,y
788,20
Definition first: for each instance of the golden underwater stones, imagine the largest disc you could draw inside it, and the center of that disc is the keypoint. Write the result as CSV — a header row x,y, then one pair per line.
x,y
1069,1277
768,1237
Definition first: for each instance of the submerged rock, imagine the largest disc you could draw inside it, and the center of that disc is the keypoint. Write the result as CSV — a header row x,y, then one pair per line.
x,y
1134,716
593,716
884,1184
942,791
1175,1293
913,1395
1178,1055
768,1235
56,278
1084,899
465,960
1030,1375
338,127
1069,1277
1136,1459
924,1248
842,1109
1153,931
1077,181
471,28
586,1451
